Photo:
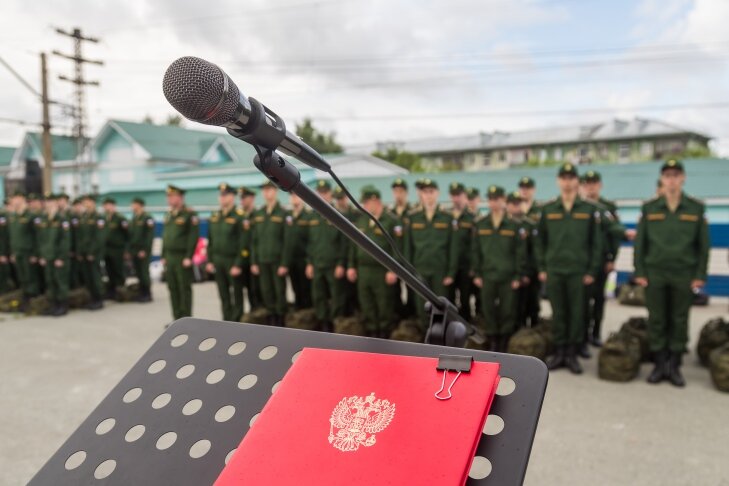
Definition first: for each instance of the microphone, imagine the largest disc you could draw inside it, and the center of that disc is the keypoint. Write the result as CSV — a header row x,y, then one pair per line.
x,y
203,93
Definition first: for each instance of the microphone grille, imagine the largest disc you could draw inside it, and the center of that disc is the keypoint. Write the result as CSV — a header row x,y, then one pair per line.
x,y
194,87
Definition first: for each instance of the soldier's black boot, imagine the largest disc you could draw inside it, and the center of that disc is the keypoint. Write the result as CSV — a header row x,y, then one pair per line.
x,y
60,310
673,370
492,343
583,350
595,336
504,343
557,359
571,361
270,320
659,370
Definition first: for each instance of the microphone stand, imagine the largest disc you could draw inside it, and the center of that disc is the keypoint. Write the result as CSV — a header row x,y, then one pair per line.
x,y
446,326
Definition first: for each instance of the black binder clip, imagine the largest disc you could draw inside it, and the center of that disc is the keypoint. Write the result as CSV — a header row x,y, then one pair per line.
x,y
446,363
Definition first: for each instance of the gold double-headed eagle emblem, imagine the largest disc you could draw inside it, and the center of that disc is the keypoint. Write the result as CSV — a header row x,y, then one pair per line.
x,y
356,420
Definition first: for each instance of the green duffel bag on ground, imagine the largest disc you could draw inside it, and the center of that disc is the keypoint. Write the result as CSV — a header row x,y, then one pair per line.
x,y
256,316
351,325
719,367
631,294
638,327
545,329
408,330
714,334
619,358
302,319
38,306
528,342
10,301
78,298
128,293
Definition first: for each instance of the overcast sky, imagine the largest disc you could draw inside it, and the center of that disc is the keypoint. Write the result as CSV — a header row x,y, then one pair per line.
x,y
389,69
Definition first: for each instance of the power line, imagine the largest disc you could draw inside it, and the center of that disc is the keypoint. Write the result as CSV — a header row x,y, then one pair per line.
x,y
20,78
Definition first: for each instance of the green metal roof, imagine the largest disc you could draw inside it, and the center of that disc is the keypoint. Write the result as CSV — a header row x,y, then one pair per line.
x,y
6,155
63,147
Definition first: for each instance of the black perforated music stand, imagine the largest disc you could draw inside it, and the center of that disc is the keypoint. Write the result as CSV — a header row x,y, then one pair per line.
x,y
180,412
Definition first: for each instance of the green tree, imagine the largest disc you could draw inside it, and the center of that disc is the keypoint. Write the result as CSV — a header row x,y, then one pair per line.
x,y
174,120
324,143
406,160
148,119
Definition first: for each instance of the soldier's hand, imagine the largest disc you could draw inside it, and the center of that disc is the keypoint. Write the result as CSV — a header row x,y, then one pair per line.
x,y
697,284
42,262
630,234
526,280
609,267
390,278
352,274
33,259
542,276
90,258
209,267
3,259
282,271
186,262
588,279
127,255
164,261
448,281
309,271
642,281
478,282
255,270
235,271
58,263
338,272
515,284
142,254
12,258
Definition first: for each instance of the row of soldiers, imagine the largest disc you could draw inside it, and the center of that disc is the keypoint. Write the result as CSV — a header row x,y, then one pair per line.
x,y
50,246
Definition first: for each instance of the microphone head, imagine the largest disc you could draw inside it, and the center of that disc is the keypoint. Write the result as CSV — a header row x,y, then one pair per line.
x,y
197,89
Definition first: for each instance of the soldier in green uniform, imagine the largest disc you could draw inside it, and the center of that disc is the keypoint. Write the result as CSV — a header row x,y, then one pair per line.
x,y
349,295
35,206
458,293
499,262
22,246
76,279
531,211
375,282
671,258
525,314
271,225
179,240
225,231
90,250
55,245
5,268
117,240
326,262
141,237
296,253
400,207
474,201
528,189
431,244
249,282
569,246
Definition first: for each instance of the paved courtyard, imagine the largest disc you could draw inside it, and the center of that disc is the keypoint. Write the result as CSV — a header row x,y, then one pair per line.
x,y
53,372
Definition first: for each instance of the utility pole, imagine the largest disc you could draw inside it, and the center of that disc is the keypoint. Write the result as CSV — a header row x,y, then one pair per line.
x,y
46,138
79,129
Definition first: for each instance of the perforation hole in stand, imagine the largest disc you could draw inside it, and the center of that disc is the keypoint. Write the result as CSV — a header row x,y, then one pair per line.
x,y
185,371
480,468
207,344
161,401
295,356
132,395
494,425
135,433
105,426
200,448
105,469
166,440
225,413
247,382
236,348
215,376
229,456
506,387
192,407
179,340
253,420
157,366
268,352
275,386
75,460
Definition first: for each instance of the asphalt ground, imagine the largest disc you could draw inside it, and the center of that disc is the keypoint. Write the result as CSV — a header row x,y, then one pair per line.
x,y
53,372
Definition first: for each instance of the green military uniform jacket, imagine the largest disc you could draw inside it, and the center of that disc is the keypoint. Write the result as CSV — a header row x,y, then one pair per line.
x,y
534,211
672,240
430,244
180,233
55,241
462,238
117,231
4,234
225,231
91,235
270,231
569,242
529,226
246,237
401,213
327,246
22,234
499,253
141,233
298,241
358,256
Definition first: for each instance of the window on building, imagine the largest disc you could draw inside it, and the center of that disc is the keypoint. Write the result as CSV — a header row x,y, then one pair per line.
x,y
542,155
623,152
646,150
558,154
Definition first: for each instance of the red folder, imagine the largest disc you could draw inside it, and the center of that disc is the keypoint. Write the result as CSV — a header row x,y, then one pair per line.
x,y
350,418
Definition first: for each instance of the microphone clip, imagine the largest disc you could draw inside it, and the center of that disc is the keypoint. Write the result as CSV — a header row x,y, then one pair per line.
x,y
264,128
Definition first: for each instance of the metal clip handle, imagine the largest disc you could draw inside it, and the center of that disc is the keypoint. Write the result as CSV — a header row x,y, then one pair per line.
x,y
442,386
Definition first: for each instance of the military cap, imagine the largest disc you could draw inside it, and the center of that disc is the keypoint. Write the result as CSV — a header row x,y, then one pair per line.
x,y
63,195
171,189
339,193
526,182
268,183
592,176
567,169
323,186
419,183
225,188
399,183
50,196
472,193
18,193
672,164
90,197
369,191
428,183
494,192
138,200
244,191
456,188
109,200
514,197
34,197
